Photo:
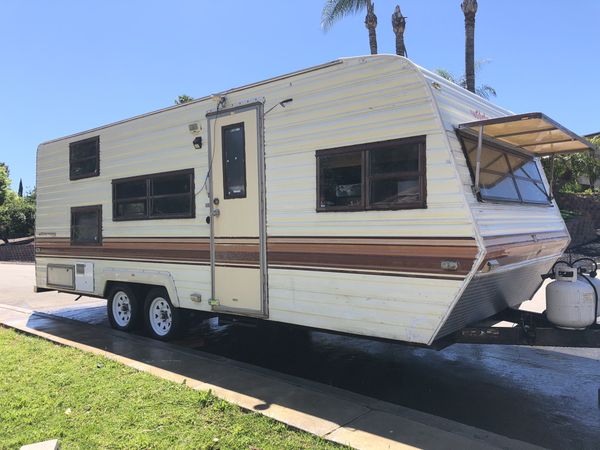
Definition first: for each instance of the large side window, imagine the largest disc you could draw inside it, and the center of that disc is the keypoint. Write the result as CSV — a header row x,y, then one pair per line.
x,y
156,196
505,175
382,175
84,158
234,161
86,225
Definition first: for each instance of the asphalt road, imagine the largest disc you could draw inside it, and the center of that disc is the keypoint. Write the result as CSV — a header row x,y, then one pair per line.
x,y
547,397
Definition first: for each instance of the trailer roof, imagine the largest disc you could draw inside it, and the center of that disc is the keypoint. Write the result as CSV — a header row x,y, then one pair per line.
x,y
532,132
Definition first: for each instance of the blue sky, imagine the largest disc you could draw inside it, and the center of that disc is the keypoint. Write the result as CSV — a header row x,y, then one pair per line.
x,y
71,65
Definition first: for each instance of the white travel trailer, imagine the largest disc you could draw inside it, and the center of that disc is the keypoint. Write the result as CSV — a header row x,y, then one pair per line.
x,y
365,196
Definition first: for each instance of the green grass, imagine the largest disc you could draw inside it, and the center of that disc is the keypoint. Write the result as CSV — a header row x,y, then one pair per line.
x,y
87,401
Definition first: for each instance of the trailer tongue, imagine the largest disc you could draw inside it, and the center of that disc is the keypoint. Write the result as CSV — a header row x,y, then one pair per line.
x,y
528,329
570,320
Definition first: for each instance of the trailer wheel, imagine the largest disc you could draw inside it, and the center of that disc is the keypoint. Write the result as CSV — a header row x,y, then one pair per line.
x,y
163,321
124,310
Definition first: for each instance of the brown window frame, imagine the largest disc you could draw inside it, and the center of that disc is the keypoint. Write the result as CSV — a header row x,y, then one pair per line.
x,y
96,157
149,197
366,179
80,209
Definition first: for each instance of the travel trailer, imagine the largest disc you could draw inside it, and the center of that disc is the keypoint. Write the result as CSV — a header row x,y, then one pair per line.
x,y
364,196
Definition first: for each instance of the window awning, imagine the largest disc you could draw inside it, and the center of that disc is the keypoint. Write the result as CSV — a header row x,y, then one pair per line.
x,y
534,133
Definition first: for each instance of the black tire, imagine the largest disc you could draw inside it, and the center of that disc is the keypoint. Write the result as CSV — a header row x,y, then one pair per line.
x,y
123,308
163,321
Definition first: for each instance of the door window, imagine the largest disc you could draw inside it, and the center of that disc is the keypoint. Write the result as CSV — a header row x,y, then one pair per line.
x,y
234,161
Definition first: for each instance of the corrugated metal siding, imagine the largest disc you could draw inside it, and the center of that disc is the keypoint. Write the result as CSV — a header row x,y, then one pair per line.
x,y
487,294
491,293
153,144
493,219
382,98
400,308
362,100
188,279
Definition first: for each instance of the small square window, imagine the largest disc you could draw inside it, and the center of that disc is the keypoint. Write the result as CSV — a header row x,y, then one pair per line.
x,y
86,225
84,158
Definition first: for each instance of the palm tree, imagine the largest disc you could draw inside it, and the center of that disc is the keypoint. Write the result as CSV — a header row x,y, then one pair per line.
x,y
180,100
469,9
485,90
399,24
336,9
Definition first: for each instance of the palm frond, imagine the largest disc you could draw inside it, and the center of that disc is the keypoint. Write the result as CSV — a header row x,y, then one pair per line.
x,y
480,63
334,10
486,91
446,75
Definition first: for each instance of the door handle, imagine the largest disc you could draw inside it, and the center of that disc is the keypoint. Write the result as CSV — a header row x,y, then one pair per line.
x,y
215,212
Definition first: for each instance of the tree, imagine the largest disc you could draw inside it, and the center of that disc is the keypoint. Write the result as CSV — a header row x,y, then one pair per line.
x,y
17,217
586,165
17,213
486,91
563,173
183,99
568,168
334,10
4,182
469,9
399,25
32,195
20,192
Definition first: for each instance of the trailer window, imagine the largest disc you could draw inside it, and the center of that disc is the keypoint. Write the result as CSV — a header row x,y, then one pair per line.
x,y
505,175
394,176
84,158
234,161
86,225
156,196
382,175
341,181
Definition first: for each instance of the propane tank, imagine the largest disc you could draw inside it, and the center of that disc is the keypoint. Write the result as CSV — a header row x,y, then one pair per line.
x,y
570,301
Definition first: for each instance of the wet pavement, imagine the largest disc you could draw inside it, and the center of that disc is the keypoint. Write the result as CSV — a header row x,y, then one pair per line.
x,y
547,397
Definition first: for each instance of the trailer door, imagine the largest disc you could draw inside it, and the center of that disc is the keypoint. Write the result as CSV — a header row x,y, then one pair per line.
x,y
236,192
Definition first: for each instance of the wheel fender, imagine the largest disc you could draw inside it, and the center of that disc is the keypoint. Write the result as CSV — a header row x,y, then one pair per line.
x,y
153,277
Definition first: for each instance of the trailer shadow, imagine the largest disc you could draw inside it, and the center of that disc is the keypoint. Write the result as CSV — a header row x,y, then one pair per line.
x,y
547,397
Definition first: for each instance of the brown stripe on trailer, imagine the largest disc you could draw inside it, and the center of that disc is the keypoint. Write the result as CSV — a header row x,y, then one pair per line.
x,y
388,254
373,255
239,251
511,249
381,254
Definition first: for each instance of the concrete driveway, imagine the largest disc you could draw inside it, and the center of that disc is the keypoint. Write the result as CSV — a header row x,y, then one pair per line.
x,y
16,288
544,396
